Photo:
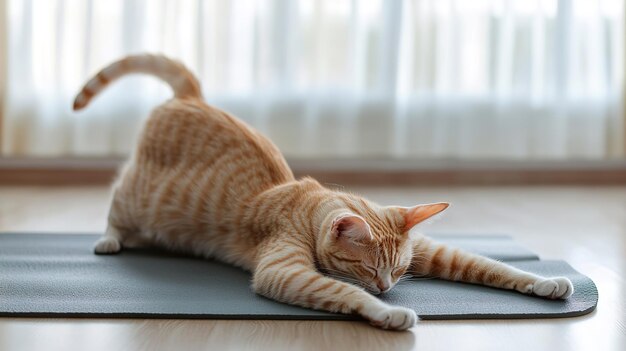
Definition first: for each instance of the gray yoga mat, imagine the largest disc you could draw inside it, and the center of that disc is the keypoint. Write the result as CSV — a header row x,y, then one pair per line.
x,y
57,275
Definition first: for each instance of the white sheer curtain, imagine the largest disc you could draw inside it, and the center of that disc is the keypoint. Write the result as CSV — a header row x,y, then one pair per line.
x,y
323,78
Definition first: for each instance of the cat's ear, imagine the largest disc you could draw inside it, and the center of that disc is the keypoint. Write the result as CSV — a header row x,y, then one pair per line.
x,y
351,229
417,214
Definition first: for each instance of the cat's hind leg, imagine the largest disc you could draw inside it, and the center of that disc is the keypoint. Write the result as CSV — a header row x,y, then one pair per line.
x,y
119,216
110,242
444,262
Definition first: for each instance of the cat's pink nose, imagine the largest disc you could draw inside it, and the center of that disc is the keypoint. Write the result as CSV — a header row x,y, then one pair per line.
x,y
382,286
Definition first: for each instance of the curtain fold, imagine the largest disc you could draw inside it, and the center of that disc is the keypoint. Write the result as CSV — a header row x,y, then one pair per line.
x,y
484,79
3,63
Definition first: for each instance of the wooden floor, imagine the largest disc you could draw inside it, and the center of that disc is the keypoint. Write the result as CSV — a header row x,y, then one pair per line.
x,y
585,226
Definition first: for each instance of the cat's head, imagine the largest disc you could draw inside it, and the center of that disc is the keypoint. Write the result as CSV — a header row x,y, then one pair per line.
x,y
370,245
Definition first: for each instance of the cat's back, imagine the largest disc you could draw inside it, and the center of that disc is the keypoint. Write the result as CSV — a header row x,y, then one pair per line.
x,y
183,135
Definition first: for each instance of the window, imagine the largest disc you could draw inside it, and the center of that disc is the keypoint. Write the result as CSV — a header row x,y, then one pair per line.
x,y
513,79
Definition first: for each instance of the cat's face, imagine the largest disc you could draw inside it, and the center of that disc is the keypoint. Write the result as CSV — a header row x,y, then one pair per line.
x,y
371,247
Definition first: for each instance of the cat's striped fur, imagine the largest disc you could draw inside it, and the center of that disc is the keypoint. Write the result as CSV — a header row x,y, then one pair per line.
x,y
203,182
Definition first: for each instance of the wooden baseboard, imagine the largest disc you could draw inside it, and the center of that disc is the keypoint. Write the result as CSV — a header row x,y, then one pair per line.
x,y
58,171
101,171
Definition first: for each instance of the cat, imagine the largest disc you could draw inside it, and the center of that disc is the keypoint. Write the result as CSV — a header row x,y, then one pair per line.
x,y
203,182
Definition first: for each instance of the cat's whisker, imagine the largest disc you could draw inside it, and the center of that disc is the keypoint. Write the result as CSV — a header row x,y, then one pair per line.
x,y
343,277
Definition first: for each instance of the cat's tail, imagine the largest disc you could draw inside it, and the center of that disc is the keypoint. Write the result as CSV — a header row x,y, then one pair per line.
x,y
182,81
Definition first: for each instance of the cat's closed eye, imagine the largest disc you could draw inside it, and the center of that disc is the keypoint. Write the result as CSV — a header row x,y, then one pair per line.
x,y
398,272
371,270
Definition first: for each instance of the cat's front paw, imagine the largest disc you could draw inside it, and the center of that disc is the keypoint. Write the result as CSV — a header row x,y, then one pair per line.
x,y
393,317
107,245
553,288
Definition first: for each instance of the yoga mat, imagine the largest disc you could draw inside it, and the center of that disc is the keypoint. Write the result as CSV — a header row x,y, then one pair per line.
x,y
57,275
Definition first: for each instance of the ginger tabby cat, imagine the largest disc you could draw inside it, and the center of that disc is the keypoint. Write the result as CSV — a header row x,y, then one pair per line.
x,y
203,182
